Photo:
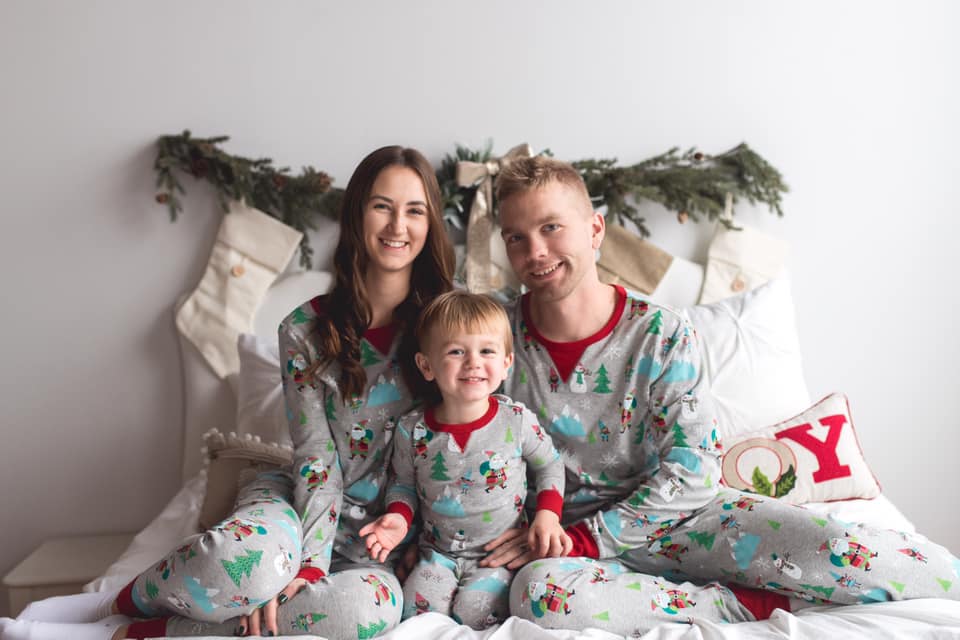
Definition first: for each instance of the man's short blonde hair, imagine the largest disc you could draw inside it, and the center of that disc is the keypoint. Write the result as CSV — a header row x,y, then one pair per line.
x,y
457,312
525,174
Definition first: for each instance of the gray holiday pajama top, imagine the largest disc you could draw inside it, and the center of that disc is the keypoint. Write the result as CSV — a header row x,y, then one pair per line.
x,y
469,484
303,521
630,411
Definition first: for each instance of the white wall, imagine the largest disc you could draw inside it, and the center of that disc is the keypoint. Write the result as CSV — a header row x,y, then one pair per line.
x,y
854,102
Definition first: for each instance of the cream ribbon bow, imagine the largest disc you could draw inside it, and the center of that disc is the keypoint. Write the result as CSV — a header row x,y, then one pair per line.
x,y
487,267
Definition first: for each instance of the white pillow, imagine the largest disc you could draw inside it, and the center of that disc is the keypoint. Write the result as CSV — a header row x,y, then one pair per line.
x,y
681,284
260,407
752,357
285,295
814,456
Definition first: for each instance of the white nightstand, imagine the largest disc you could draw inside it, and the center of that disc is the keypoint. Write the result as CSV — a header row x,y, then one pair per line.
x,y
61,567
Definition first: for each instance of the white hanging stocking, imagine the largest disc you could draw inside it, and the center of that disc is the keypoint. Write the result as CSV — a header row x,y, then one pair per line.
x,y
251,249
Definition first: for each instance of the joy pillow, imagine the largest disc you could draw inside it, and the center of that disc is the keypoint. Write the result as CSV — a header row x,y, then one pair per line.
x,y
814,457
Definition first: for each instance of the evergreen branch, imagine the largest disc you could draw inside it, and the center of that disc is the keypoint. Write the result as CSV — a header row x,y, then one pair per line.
x,y
293,199
692,183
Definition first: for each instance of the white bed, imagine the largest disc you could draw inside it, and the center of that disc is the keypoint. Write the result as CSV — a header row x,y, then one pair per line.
x,y
247,404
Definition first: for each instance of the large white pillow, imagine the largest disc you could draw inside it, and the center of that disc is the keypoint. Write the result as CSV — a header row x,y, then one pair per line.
x,y
752,357
260,408
680,285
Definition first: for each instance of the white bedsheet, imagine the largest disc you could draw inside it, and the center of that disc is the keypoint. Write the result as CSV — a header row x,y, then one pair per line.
x,y
926,618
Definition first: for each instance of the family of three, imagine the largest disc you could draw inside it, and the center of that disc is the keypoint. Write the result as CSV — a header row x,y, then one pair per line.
x,y
419,414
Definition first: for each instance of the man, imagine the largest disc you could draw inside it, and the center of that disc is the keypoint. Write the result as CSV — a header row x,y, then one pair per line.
x,y
618,382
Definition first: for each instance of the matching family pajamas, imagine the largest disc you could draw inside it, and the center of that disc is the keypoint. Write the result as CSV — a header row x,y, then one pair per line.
x,y
469,484
656,538
630,410
302,522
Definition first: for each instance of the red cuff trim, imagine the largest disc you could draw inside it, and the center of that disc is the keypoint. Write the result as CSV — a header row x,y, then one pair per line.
x,y
402,509
583,543
550,500
310,574
148,629
125,603
759,602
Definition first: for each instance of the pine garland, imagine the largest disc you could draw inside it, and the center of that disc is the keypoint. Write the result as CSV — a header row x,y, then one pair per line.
x,y
294,200
692,184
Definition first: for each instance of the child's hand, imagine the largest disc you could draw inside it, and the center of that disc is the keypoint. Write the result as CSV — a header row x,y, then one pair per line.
x,y
384,534
546,537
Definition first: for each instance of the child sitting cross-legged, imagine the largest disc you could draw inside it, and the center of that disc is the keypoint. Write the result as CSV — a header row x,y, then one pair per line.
x,y
462,462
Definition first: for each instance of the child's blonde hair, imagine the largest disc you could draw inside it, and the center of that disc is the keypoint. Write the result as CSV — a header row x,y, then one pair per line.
x,y
525,174
460,311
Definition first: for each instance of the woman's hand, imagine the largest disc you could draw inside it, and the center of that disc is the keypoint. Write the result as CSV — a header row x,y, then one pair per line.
x,y
384,534
264,618
510,548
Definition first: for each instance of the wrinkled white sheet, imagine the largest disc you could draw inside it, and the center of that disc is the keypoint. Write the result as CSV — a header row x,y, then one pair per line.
x,y
935,619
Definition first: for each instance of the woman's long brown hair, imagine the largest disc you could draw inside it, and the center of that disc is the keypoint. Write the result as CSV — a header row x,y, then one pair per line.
x,y
348,309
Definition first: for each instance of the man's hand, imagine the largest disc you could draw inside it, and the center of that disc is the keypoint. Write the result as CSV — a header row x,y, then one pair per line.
x,y
509,549
384,534
406,562
264,618
546,538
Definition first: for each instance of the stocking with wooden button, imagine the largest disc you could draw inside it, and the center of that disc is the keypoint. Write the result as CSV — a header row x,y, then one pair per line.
x,y
250,250
740,259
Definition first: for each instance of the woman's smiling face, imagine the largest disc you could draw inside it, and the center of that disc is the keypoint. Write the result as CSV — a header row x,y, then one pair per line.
x,y
395,220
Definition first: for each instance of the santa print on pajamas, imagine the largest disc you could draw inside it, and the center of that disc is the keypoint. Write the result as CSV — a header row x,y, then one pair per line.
x,y
334,487
469,482
636,427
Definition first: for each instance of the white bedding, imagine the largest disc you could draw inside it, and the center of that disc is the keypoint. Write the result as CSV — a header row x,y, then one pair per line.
x,y
909,619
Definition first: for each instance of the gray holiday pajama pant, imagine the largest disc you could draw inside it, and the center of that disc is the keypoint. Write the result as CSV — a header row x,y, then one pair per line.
x,y
743,539
247,559
457,587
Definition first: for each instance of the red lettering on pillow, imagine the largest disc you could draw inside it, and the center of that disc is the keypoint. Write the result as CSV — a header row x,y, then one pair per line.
x,y
826,452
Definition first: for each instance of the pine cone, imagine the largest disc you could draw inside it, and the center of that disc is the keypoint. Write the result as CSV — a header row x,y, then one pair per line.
x,y
162,198
682,217
199,167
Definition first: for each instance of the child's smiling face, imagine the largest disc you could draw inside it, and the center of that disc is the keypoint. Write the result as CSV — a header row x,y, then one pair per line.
x,y
467,367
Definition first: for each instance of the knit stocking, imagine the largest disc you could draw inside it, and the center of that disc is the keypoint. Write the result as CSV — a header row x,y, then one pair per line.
x,y
251,249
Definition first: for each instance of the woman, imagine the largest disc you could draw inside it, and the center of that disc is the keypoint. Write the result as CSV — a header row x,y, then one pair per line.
x,y
344,356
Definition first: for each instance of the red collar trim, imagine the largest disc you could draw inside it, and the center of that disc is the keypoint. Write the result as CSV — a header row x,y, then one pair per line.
x,y
580,345
381,337
461,432
318,304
